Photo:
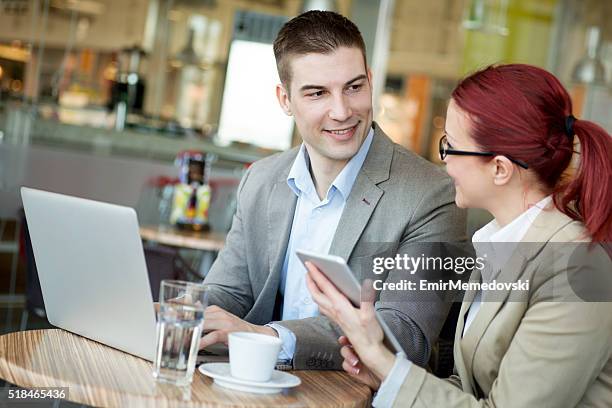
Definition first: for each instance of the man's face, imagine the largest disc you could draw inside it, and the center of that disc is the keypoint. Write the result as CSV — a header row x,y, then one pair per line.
x,y
331,101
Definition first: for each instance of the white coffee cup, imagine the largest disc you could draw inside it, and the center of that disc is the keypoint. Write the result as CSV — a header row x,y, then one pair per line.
x,y
253,356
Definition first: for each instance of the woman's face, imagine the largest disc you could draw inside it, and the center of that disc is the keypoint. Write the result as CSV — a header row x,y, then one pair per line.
x,y
472,175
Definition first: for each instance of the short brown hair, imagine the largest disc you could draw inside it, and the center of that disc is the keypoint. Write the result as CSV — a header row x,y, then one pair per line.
x,y
316,31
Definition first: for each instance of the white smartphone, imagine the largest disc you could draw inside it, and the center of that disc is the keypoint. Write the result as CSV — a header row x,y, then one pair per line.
x,y
340,274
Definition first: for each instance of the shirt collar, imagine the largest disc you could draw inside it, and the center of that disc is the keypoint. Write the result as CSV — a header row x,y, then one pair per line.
x,y
345,180
515,230
300,181
498,244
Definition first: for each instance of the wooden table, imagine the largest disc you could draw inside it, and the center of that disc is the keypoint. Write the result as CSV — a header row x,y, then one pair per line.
x,y
205,241
99,375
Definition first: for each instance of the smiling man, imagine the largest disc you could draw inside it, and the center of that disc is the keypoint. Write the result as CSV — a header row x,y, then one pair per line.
x,y
348,190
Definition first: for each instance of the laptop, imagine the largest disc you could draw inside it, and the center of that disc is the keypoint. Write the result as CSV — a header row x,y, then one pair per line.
x,y
92,270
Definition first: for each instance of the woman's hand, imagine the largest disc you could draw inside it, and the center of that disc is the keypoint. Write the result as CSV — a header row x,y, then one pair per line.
x,y
358,324
354,367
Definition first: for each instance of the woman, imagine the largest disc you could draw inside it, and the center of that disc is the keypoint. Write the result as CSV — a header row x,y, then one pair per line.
x,y
508,142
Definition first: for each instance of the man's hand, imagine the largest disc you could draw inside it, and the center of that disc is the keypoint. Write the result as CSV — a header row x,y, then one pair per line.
x,y
218,324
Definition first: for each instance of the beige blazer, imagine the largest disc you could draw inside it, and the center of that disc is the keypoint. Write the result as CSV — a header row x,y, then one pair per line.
x,y
550,349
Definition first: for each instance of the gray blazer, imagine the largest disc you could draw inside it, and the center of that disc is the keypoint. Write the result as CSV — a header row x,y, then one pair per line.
x,y
398,199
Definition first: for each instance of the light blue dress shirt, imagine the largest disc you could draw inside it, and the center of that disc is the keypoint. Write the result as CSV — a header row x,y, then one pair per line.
x,y
313,229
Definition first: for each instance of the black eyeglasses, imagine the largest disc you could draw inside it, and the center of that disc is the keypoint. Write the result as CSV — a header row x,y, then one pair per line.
x,y
445,150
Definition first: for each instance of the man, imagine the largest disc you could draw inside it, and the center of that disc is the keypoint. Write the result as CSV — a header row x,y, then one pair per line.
x,y
346,189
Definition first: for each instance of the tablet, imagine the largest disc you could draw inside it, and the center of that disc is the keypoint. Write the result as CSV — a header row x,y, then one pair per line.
x,y
339,273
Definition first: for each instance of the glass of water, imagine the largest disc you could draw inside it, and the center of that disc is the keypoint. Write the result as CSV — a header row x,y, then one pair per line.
x,y
180,321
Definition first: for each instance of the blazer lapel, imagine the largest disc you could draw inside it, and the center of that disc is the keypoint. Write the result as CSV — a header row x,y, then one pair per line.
x,y
281,208
544,226
460,363
489,308
357,212
364,196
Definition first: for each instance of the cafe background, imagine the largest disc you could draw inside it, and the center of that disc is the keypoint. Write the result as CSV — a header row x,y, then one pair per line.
x,y
99,97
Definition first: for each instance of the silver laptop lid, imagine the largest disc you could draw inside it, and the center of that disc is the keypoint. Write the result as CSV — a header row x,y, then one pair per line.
x,y
92,270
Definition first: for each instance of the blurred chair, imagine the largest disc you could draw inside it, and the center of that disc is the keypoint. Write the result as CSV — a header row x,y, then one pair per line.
x,y
161,264
11,246
34,300
165,262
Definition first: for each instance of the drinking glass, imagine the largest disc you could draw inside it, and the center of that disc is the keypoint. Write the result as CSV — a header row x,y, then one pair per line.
x,y
180,321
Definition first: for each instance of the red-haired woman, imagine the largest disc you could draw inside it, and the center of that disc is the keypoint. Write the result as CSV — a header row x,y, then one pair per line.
x,y
510,137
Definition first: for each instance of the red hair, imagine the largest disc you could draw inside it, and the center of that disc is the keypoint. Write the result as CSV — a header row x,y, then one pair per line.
x,y
520,110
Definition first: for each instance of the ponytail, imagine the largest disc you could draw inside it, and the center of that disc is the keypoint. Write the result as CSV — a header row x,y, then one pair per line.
x,y
588,195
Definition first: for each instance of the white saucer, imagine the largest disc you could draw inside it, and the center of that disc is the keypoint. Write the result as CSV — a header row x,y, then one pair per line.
x,y
220,372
